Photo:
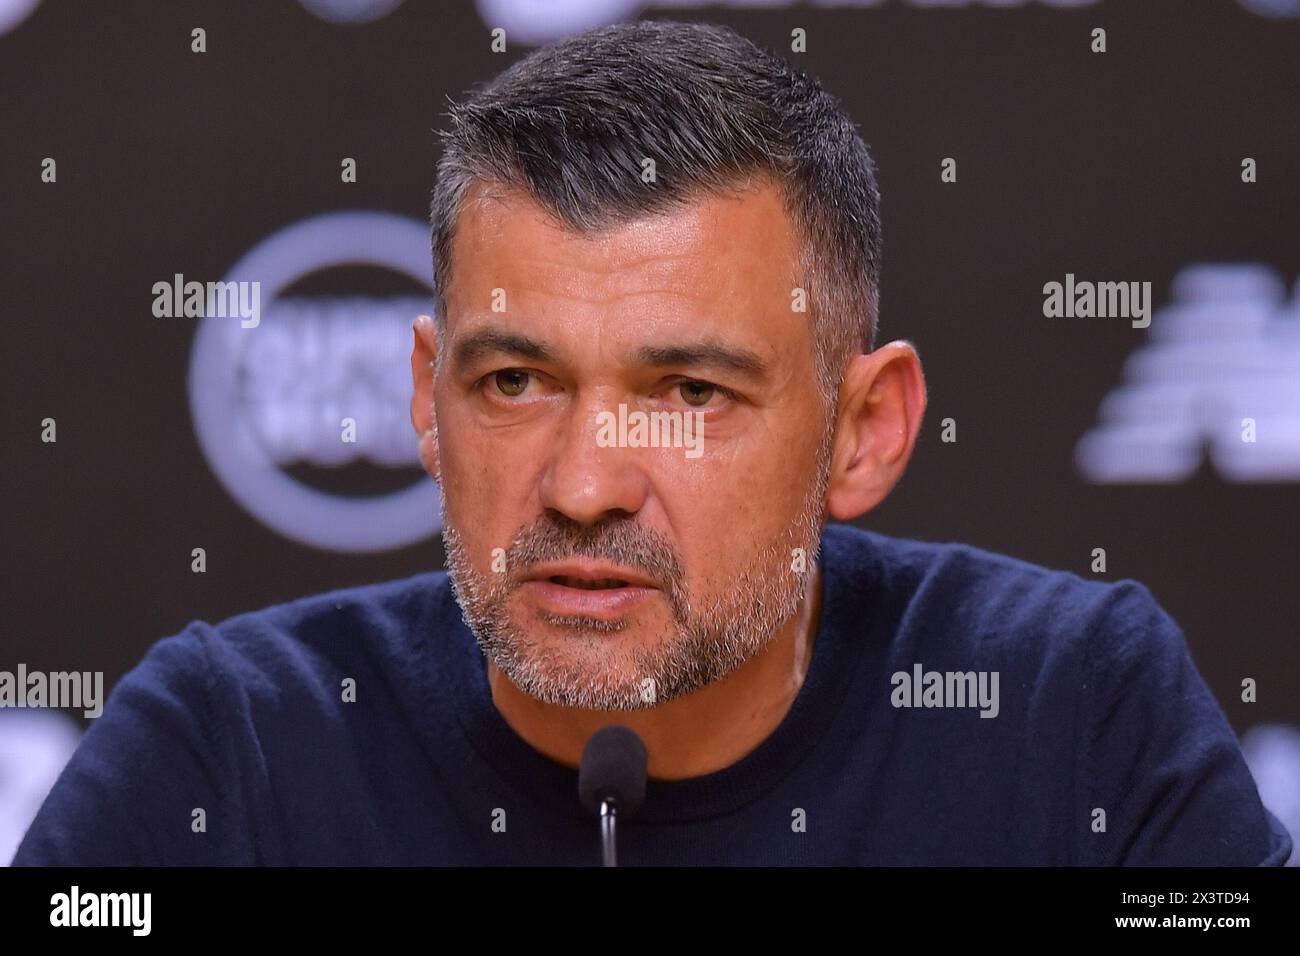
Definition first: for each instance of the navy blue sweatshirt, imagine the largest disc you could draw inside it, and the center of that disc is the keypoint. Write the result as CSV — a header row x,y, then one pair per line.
x,y
233,744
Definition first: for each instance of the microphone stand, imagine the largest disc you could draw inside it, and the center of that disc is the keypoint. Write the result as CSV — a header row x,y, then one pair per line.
x,y
608,814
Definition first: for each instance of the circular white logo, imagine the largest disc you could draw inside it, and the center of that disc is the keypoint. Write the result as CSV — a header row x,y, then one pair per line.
x,y
265,395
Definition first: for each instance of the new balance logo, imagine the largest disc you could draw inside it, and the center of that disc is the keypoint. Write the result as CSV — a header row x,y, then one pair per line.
x,y
1220,376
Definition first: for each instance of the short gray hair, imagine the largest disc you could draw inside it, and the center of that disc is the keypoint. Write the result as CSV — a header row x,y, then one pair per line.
x,y
570,124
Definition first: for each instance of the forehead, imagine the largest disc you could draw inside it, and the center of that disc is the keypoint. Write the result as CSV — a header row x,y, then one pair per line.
x,y
731,249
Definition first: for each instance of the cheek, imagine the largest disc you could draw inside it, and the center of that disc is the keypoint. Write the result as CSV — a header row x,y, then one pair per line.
x,y
487,480
725,510
740,484
472,457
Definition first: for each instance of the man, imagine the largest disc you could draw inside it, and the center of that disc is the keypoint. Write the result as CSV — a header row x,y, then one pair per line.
x,y
649,384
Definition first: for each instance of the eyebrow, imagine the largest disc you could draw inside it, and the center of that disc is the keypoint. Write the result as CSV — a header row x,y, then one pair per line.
x,y
706,353
490,341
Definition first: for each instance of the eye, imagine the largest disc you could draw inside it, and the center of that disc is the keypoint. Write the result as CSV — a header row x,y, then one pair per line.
x,y
510,382
697,392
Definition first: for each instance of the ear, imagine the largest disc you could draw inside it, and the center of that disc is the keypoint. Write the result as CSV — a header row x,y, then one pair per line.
x,y
882,401
423,356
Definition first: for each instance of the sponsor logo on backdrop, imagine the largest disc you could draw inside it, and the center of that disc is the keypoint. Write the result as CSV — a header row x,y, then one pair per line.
x,y
14,12
350,11
1272,752
322,381
35,746
1273,8
536,22
1218,377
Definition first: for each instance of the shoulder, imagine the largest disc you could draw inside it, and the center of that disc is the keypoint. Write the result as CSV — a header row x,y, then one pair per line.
x,y
299,643
984,587
965,598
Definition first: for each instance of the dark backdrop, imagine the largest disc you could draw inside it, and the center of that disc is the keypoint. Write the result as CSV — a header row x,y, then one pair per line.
x,y
1119,166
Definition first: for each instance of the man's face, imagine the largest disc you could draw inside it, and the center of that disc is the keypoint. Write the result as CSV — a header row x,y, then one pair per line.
x,y
689,312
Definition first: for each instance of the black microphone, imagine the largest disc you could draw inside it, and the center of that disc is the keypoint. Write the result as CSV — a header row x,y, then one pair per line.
x,y
611,780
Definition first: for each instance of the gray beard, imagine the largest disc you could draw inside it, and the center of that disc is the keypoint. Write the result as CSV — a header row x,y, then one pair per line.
x,y
706,642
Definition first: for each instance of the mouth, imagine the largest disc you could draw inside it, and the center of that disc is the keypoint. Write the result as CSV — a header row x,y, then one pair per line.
x,y
589,590
601,584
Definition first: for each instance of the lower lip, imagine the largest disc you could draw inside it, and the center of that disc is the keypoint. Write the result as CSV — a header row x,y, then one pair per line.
x,y
603,603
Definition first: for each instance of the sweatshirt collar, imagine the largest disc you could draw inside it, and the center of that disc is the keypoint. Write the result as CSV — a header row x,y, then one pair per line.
x,y
846,580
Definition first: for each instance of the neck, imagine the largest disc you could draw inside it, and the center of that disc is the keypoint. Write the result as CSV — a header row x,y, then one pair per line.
x,y
690,736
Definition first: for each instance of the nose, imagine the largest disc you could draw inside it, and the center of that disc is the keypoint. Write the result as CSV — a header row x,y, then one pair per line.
x,y
586,481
